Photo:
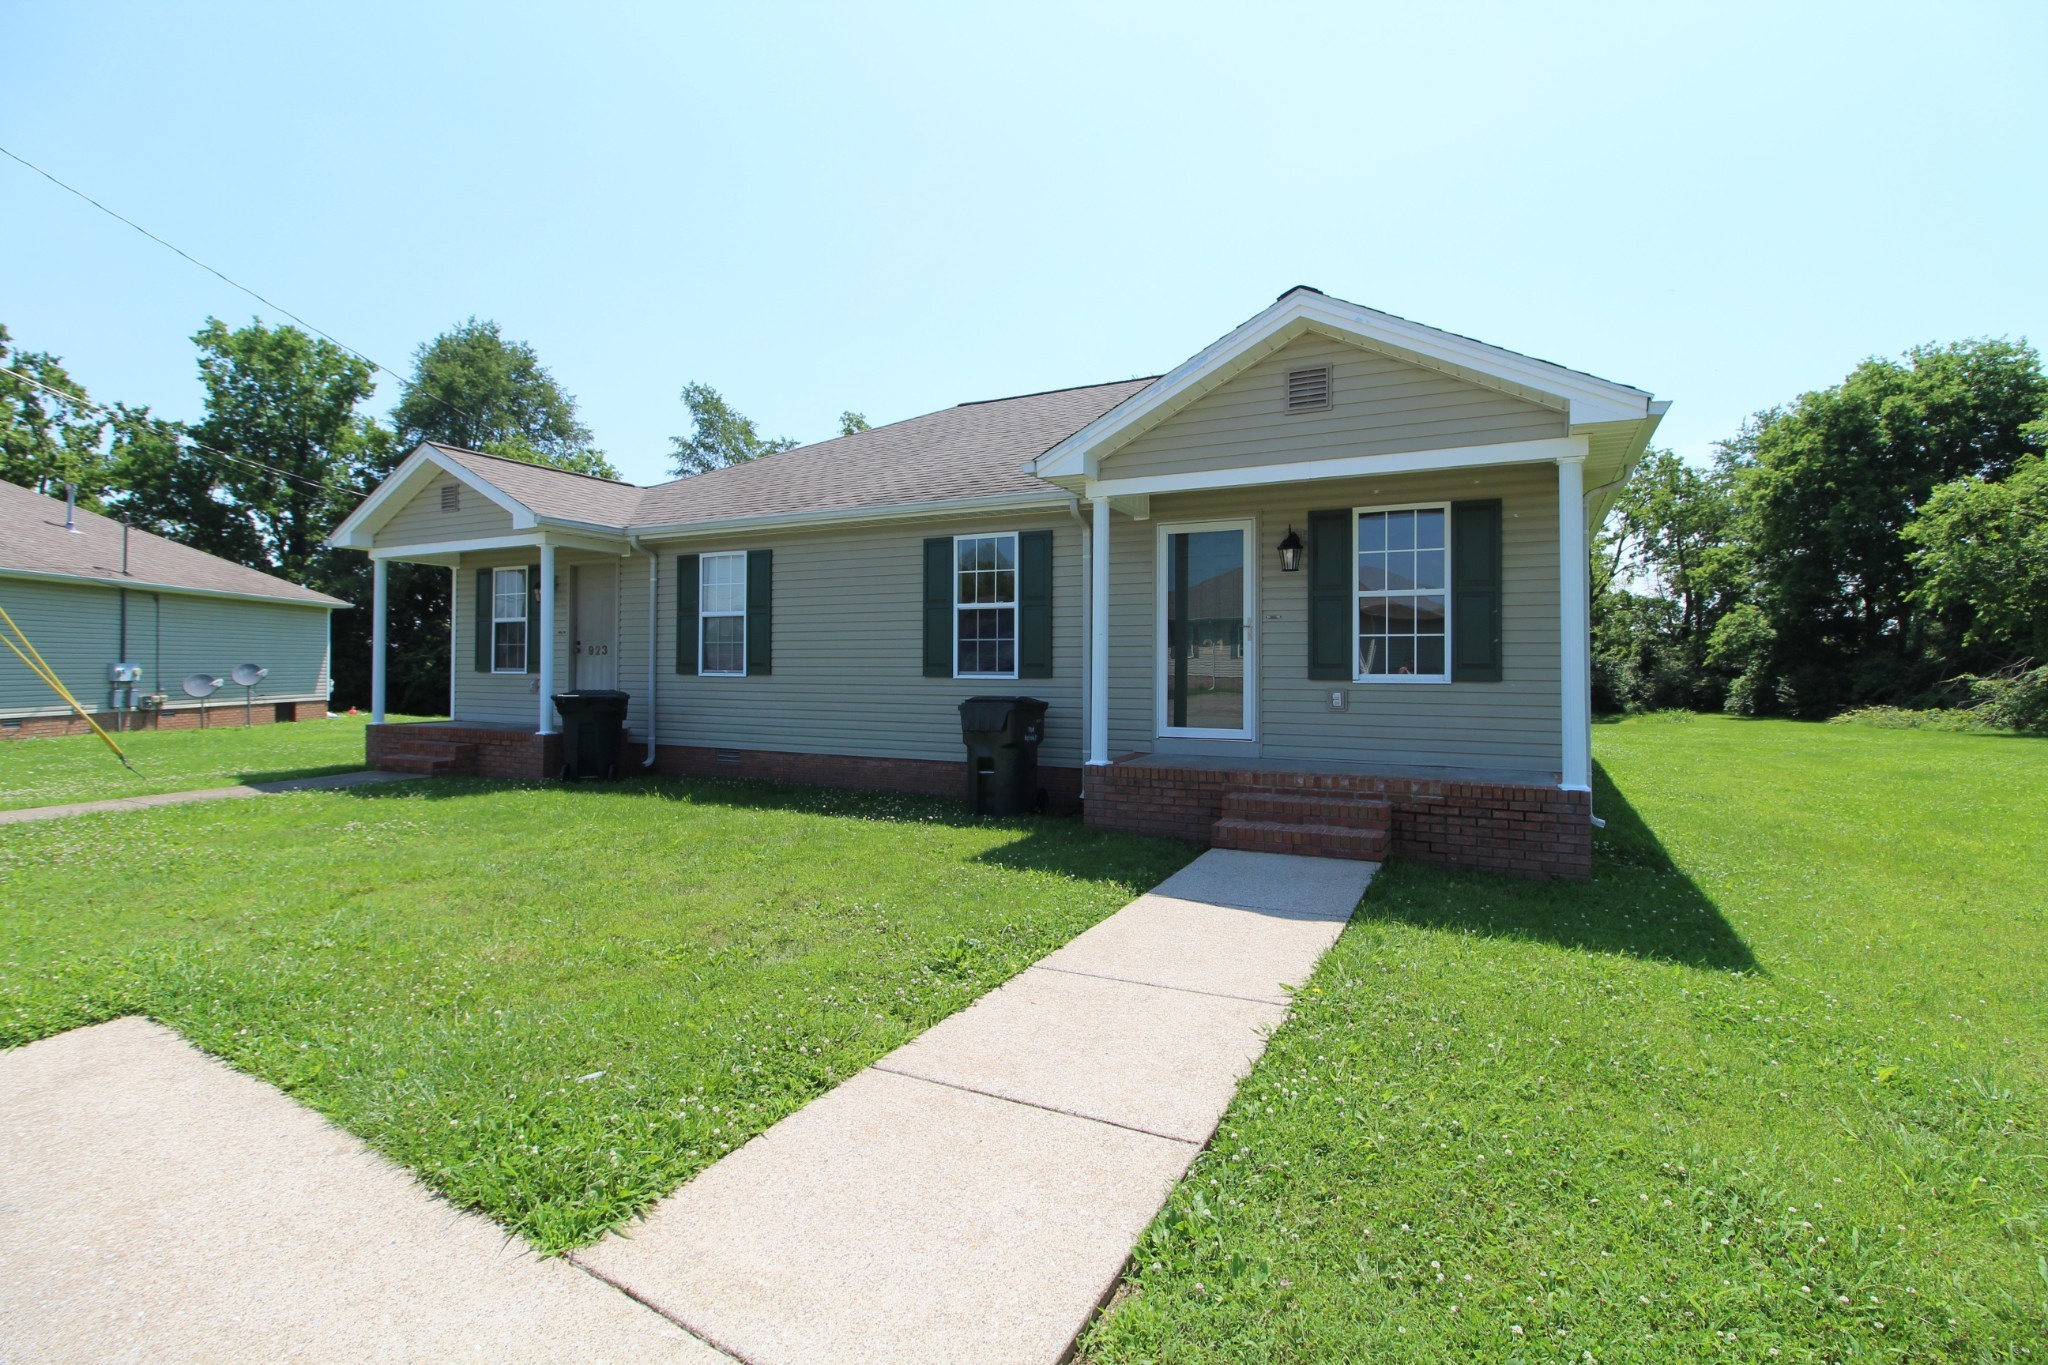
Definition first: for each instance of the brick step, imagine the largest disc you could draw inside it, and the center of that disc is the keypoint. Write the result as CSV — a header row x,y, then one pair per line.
x,y
1306,808
1308,839
432,748
426,765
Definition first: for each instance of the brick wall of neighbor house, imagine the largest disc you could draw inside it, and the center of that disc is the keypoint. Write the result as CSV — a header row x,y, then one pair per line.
x,y
227,715
1529,831
917,776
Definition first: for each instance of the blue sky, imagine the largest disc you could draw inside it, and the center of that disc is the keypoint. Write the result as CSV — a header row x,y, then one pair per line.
x,y
894,210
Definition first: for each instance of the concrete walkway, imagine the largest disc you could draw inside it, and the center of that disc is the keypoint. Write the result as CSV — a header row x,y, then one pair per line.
x,y
331,782
974,1195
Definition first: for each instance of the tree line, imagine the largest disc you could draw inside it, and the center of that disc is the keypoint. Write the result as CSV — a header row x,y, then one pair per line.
x,y
1880,543
286,449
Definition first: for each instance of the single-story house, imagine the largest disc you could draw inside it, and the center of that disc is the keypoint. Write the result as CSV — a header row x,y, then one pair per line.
x,y
123,618
1321,587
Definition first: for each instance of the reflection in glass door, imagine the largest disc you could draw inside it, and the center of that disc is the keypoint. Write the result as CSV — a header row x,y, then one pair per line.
x,y
1207,669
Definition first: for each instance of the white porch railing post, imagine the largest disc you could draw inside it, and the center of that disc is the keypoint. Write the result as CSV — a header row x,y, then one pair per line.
x,y
547,639
1573,626
1098,634
378,644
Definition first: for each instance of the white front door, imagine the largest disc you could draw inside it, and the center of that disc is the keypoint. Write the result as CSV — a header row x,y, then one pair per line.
x,y
593,626
1208,659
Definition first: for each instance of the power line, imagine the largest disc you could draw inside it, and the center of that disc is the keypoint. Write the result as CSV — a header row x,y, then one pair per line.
x,y
82,401
235,284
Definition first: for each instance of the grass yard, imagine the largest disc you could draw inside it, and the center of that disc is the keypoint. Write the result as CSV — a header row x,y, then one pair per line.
x,y
1774,1086
56,772
554,1003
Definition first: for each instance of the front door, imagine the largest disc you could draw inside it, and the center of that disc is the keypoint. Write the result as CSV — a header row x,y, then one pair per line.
x,y
593,626
1208,663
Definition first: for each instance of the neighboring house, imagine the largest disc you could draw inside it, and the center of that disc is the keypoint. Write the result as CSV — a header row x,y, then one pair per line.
x,y
1321,586
100,602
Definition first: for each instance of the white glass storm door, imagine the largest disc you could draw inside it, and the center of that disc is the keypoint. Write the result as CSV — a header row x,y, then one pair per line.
x,y
1207,658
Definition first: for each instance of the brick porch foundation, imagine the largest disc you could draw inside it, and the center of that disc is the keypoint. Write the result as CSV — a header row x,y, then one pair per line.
x,y
224,715
454,750
1529,831
916,776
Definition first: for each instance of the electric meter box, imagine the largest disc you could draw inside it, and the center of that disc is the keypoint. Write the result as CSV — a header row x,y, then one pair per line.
x,y
124,673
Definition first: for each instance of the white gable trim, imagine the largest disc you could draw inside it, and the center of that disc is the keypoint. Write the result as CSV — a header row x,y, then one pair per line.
x,y
1349,466
1582,397
359,529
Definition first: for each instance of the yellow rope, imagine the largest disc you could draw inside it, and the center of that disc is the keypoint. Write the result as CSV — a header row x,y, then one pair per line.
x,y
41,668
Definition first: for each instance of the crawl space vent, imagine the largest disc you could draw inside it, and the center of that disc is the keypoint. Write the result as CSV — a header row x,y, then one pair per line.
x,y
451,496
1308,390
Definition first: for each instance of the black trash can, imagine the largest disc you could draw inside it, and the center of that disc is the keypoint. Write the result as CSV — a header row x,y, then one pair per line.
x,y
1002,735
592,723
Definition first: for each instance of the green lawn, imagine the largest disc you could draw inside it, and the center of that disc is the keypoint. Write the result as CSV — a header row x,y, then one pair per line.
x,y
53,772
555,1003
1774,1085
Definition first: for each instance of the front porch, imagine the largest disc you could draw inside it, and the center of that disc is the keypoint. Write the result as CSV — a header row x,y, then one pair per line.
x,y
456,748
1502,822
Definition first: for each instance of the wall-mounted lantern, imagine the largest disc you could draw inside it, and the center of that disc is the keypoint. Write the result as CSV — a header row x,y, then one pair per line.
x,y
1290,552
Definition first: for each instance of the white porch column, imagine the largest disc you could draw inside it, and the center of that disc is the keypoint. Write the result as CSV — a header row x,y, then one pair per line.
x,y
547,638
1098,634
1573,627
378,615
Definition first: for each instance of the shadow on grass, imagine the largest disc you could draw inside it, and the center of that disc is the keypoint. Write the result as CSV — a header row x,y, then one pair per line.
x,y
1639,902
254,776
1056,844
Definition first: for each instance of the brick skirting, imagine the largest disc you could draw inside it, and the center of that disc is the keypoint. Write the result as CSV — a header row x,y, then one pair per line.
x,y
221,715
916,776
513,755
1530,831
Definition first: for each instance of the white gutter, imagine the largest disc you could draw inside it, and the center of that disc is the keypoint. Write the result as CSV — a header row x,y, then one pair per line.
x,y
653,589
1051,500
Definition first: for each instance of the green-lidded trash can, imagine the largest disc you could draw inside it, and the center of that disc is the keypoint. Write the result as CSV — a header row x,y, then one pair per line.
x,y
1002,735
592,723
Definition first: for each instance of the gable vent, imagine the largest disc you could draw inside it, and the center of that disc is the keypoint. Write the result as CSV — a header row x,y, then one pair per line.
x,y
451,497
1308,390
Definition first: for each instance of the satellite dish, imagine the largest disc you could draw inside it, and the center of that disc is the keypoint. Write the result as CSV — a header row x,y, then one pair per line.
x,y
202,685
248,675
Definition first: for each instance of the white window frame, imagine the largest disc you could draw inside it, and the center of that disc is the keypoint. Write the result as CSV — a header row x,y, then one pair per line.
x,y
524,620
1016,591
705,616
1358,596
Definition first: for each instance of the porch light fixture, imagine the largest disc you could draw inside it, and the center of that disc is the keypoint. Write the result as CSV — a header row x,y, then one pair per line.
x,y
1290,552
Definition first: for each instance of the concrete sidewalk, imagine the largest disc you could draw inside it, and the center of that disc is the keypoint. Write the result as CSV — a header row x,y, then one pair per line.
x,y
156,1204
974,1195
331,782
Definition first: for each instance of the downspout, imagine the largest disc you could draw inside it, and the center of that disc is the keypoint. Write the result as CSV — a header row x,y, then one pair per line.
x,y
1087,602
653,589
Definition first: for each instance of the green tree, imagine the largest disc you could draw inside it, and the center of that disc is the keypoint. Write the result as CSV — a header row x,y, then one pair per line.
x,y
1829,483
470,387
719,437
50,431
853,423
1980,547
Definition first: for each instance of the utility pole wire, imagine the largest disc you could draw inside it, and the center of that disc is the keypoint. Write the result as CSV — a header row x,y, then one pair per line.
x,y
71,189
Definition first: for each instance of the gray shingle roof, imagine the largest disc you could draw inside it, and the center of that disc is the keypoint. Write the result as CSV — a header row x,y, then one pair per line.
x,y
33,540
976,450
551,492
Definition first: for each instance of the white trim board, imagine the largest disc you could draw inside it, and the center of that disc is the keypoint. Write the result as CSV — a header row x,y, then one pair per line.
x,y
1545,451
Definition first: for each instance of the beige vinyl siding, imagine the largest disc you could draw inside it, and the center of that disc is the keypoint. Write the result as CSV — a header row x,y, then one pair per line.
x,y
1509,726
422,522
77,629
1378,405
848,670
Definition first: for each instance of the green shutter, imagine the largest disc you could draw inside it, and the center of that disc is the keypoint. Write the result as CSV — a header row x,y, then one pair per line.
x,y
483,620
533,620
938,607
686,613
1034,604
1332,631
760,611
1475,591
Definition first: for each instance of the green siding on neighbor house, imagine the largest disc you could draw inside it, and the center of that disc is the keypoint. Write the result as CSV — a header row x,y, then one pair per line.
x,y
77,629
1378,405
422,522
1507,726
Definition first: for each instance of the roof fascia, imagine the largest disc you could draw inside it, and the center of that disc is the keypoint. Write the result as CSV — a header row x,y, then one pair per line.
x,y
359,528
1550,448
324,602
1586,399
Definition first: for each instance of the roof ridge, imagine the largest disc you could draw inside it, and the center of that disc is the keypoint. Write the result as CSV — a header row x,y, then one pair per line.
x,y
1068,388
533,464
